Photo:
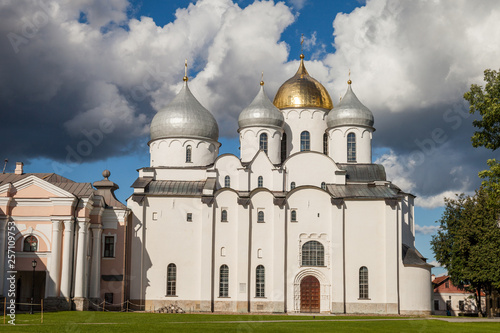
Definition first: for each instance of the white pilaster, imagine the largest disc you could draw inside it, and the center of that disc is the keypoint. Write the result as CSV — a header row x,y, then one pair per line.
x,y
95,277
54,279
80,259
67,263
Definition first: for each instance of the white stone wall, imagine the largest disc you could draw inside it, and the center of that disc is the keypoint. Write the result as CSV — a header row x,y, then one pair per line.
x,y
338,143
250,143
299,120
172,152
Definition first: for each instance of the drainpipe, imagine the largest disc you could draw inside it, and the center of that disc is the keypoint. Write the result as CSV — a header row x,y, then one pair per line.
x,y
249,278
397,252
343,255
212,275
75,215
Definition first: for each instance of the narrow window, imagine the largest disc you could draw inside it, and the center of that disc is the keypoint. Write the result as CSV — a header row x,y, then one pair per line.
x,y
323,186
188,154
189,217
292,185
108,298
223,215
305,144
227,181
351,147
224,281
222,251
448,305
313,254
447,284
260,281
260,182
171,279
363,283
283,147
30,244
260,216
325,144
294,216
109,246
263,142
436,305
461,305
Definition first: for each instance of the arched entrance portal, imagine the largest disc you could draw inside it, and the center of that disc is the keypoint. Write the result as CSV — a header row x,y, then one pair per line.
x,y
309,295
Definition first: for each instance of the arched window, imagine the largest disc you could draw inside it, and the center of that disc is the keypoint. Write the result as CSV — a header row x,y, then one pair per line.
x,y
260,182
305,141
30,244
323,186
325,144
351,147
293,216
260,216
260,281
224,281
171,279
188,154
292,185
313,254
223,215
283,147
263,142
227,181
363,282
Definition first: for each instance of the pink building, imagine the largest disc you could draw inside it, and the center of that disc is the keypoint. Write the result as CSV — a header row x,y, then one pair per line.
x,y
76,232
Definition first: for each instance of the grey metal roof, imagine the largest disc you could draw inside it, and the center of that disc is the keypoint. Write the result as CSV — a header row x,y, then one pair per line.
x,y
350,111
412,257
184,117
175,187
361,191
363,172
261,112
78,189
141,182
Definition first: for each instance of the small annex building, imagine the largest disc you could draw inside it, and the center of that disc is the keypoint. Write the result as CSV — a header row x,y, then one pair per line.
x,y
75,234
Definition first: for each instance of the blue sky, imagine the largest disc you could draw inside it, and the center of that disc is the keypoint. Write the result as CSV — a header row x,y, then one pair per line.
x,y
81,80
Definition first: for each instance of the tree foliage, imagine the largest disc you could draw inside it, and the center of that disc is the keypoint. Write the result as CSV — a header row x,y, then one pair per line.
x,y
468,241
486,102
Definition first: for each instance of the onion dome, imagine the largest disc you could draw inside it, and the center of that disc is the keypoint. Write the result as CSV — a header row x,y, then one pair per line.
x,y
261,112
302,91
184,117
350,111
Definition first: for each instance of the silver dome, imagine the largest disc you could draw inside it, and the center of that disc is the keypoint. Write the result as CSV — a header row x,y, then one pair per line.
x,y
350,111
261,112
184,117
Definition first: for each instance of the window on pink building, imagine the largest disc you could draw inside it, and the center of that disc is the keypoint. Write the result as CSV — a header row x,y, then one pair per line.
x,y
30,244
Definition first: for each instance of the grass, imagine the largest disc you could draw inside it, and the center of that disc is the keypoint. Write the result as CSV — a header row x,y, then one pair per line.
x,y
152,322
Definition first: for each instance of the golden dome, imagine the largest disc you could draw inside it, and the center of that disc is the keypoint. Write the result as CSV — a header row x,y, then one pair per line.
x,y
302,91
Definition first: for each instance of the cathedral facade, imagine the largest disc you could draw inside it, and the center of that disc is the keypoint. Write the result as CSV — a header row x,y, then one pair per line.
x,y
301,221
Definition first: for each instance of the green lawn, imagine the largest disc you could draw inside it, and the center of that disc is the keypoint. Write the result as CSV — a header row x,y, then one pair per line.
x,y
152,322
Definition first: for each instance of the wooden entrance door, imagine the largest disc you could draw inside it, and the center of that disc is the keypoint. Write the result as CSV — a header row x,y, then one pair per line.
x,y
309,294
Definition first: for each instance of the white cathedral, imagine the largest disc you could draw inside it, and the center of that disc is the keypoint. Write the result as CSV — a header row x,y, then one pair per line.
x,y
301,221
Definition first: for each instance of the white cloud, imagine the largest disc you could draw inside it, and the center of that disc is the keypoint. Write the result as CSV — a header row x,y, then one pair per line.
x,y
411,62
426,229
435,263
297,4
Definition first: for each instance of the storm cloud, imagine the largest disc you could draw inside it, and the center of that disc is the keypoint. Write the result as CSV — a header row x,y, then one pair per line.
x,y
81,80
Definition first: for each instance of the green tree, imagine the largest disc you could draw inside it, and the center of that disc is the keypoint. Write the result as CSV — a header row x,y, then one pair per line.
x,y
486,102
468,243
